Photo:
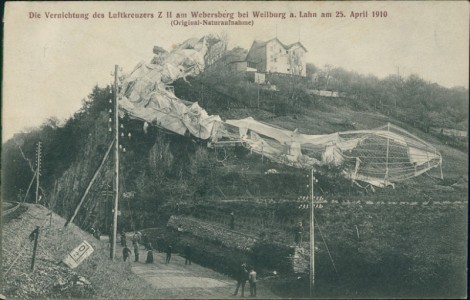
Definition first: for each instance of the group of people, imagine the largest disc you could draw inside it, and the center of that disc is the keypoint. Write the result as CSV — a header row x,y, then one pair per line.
x,y
243,275
138,238
136,241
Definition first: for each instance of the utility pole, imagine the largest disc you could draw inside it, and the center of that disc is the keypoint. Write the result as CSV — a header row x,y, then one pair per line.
x,y
38,169
116,163
312,234
108,204
386,155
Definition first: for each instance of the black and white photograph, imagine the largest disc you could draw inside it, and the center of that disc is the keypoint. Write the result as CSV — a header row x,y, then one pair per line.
x,y
234,149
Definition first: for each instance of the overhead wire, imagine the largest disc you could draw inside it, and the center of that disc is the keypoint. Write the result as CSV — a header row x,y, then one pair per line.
x,y
29,187
24,156
326,245
128,202
31,167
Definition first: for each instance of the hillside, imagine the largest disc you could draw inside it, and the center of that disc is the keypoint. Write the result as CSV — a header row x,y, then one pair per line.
x,y
356,246
96,277
164,174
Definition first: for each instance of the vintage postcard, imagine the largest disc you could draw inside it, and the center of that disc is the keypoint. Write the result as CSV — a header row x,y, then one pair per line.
x,y
225,149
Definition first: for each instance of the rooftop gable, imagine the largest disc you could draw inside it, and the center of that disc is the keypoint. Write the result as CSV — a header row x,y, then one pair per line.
x,y
258,44
297,43
277,40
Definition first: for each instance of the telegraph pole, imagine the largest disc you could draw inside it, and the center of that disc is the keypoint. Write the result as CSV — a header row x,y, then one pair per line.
x,y
312,236
116,163
38,169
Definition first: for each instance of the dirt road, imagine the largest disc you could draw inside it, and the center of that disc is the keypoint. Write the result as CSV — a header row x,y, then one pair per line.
x,y
177,280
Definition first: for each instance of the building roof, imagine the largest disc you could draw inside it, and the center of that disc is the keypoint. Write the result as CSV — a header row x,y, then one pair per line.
x,y
259,44
297,43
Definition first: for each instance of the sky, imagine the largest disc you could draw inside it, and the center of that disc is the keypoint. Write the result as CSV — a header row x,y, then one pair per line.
x,y
50,65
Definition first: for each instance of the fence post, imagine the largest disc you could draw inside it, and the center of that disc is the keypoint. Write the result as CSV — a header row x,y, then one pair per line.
x,y
34,235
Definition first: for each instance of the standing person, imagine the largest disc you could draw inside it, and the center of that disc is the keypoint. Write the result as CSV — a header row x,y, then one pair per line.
x,y
242,277
149,256
126,252
299,231
123,238
136,251
232,220
252,280
180,230
97,234
135,238
187,254
169,249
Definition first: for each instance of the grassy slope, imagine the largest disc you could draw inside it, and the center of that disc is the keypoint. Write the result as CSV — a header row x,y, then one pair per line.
x,y
455,162
422,250
109,279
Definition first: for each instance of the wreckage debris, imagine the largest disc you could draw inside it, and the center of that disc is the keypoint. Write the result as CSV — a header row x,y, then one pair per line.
x,y
380,157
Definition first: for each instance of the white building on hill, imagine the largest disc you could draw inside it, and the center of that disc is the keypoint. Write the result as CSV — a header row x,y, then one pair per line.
x,y
275,57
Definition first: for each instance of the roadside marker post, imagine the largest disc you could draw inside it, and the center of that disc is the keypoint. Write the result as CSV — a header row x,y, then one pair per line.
x,y
78,255
34,235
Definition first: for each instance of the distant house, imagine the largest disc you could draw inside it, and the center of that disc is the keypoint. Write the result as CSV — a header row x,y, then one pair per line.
x,y
328,94
237,66
449,132
276,57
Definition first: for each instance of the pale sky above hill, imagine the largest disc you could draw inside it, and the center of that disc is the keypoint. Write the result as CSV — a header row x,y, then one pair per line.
x,y
50,65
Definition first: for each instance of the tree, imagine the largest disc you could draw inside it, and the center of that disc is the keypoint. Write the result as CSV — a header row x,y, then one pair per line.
x,y
296,62
328,68
160,159
311,69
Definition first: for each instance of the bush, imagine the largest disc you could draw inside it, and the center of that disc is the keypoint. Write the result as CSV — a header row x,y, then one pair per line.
x,y
272,255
